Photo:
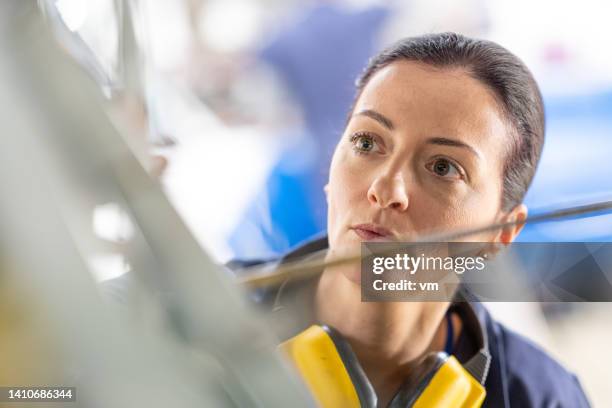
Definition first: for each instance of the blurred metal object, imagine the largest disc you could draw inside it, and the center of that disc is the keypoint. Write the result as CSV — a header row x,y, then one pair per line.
x,y
196,342
126,83
127,74
74,44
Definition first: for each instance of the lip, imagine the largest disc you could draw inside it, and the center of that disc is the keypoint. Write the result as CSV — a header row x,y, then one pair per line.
x,y
372,232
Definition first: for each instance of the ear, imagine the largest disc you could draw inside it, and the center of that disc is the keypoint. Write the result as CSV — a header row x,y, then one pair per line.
x,y
508,234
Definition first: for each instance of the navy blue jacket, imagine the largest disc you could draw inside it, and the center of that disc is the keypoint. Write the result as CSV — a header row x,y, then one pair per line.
x,y
523,375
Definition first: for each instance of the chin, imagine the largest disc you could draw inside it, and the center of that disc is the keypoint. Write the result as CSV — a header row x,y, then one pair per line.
x,y
343,244
352,274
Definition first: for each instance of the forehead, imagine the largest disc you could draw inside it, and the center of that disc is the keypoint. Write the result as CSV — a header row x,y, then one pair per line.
x,y
429,101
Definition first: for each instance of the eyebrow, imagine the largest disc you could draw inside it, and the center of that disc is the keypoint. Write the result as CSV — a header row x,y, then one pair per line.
x,y
379,117
444,141
440,141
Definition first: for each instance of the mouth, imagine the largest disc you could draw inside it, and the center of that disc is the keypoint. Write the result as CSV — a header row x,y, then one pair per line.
x,y
372,232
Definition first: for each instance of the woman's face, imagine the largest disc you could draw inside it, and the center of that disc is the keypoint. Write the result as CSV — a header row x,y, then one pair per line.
x,y
423,151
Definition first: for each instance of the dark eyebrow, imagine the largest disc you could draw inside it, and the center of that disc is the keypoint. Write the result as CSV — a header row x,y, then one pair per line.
x,y
379,117
444,141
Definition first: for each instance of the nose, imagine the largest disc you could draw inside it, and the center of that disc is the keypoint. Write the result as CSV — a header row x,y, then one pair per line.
x,y
389,191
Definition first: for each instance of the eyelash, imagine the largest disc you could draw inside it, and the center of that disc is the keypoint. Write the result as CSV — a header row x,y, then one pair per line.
x,y
457,167
356,136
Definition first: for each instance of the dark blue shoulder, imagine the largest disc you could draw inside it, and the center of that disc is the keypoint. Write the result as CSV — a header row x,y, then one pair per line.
x,y
531,377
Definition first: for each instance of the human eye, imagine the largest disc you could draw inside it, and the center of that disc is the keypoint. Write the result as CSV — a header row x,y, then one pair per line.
x,y
364,143
446,169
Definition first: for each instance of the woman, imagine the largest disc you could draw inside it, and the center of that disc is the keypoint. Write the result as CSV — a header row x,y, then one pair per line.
x,y
445,134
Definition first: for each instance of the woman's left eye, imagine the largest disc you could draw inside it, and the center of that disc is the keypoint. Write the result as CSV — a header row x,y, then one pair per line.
x,y
445,168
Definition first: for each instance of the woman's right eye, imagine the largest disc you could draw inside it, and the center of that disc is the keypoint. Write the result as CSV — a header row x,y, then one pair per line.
x,y
363,143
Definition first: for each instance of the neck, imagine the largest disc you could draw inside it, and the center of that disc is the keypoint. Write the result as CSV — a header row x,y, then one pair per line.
x,y
388,338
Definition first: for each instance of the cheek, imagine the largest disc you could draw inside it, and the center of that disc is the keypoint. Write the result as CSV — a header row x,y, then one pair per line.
x,y
431,211
472,211
347,190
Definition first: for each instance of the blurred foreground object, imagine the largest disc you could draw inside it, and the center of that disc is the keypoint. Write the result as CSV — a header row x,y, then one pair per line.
x,y
60,156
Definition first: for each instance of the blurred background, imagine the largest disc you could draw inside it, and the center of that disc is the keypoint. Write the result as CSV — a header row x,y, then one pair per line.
x,y
236,107
247,99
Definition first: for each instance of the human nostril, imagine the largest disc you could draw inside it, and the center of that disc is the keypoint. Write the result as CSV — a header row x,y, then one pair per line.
x,y
372,197
399,203
399,200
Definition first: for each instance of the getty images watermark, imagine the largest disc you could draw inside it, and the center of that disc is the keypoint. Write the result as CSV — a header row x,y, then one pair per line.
x,y
416,272
487,272
409,265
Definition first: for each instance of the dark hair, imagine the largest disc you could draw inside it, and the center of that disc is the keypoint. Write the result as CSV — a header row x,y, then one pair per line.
x,y
512,83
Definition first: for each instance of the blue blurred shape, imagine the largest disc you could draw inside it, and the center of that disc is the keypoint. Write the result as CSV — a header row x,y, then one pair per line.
x,y
576,167
319,56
